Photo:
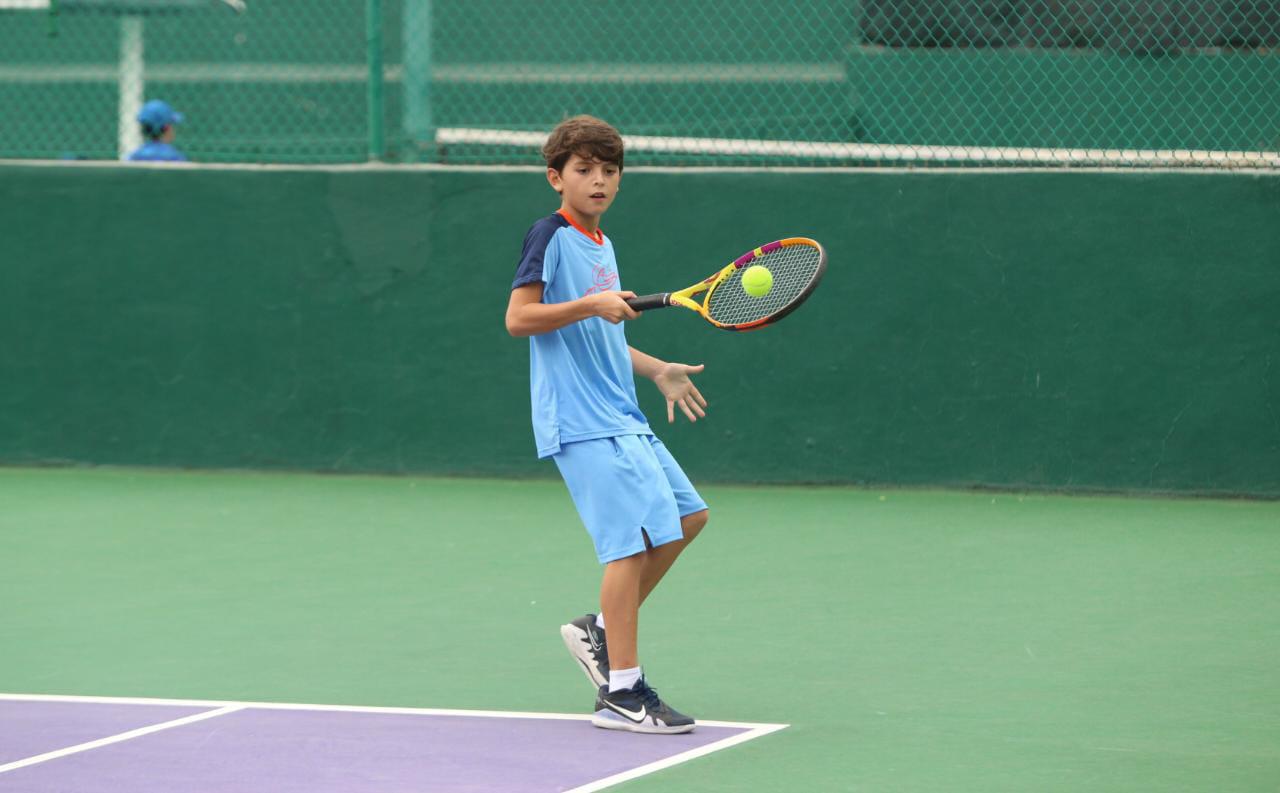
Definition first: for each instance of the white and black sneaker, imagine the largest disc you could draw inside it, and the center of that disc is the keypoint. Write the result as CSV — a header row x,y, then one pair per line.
x,y
638,709
586,644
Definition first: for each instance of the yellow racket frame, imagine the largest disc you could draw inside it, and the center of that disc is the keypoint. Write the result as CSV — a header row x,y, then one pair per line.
x,y
685,297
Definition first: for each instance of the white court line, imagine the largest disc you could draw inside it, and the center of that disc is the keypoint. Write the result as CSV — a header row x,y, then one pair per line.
x,y
488,714
676,759
753,730
124,736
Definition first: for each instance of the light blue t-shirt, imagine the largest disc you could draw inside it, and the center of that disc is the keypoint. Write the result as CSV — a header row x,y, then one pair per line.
x,y
157,151
581,381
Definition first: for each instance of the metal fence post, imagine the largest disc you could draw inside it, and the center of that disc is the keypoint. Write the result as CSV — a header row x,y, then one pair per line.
x,y
415,84
373,38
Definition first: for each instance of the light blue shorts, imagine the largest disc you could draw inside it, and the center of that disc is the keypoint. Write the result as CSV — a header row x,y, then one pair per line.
x,y
626,487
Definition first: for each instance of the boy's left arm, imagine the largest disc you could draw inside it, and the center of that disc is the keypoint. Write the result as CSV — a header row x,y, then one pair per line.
x,y
672,379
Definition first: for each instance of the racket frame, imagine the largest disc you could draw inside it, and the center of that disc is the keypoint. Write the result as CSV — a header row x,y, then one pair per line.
x,y
685,297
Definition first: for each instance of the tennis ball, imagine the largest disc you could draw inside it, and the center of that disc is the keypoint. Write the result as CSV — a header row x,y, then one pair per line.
x,y
757,281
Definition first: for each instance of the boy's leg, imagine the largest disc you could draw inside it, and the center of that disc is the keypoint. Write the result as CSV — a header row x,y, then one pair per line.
x,y
620,602
630,704
587,467
657,561
586,642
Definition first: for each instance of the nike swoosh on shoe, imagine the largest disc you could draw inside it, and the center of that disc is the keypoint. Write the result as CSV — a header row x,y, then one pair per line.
x,y
637,716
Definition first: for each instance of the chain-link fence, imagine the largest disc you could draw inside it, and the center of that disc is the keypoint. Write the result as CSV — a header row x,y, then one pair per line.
x,y
713,82
280,82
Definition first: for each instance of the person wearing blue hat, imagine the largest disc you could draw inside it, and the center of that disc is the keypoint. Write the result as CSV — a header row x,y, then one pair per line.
x,y
158,120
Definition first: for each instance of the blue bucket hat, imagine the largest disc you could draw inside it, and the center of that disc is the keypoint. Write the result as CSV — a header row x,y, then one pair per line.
x,y
157,114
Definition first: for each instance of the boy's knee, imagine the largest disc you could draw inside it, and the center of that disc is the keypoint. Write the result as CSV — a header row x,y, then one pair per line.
x,y
693,523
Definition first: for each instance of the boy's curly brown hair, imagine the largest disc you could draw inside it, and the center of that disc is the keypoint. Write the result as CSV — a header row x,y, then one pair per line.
x,y
586,136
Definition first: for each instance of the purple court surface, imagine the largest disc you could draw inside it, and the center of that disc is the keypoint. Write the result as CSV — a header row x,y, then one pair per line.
x,y
107,745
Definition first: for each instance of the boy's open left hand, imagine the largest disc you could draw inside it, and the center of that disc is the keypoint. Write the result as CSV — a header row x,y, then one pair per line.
x,y
674,383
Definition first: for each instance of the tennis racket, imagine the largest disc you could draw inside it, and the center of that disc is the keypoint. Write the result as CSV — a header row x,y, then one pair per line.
x,y
796,264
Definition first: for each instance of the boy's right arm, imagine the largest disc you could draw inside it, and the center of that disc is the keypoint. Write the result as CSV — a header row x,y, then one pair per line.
x,y
527,315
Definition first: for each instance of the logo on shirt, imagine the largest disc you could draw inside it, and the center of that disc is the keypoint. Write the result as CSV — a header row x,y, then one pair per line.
x,y
604,278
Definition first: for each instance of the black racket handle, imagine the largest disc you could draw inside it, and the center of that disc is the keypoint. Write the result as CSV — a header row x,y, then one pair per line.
x,y
649,302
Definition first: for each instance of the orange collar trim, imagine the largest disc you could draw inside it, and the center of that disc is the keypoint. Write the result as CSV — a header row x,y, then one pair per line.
x,y
597,238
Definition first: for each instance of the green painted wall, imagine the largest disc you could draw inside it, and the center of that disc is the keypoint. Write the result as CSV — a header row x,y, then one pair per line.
x,y
1034,329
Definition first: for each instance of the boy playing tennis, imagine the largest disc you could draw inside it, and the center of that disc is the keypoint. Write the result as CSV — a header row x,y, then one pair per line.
x,y
638,506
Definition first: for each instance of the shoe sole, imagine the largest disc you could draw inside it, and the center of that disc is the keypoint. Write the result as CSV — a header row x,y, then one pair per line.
x,y
608,720
575,640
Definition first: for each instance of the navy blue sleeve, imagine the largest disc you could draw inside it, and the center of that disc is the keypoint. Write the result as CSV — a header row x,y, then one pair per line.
x,y
532,259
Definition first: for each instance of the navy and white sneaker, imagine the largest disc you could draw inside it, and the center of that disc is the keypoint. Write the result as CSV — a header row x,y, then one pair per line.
x,y
638,709
586,644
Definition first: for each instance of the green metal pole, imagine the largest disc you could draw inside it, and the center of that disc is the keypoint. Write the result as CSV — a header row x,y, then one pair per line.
x,y
373,38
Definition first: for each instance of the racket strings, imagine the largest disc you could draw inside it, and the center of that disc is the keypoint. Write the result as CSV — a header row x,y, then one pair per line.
x,y
793,268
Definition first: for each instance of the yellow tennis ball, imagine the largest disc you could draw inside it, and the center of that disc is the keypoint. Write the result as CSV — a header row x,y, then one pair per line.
x,y
757,281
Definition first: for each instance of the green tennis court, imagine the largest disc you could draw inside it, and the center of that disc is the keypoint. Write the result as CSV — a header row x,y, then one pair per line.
x,y
912,640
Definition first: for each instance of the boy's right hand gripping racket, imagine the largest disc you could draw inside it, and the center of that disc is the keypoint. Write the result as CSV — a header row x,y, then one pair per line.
x,y
796,264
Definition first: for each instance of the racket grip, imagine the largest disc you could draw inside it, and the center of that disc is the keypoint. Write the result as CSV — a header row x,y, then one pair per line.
x,y
649,302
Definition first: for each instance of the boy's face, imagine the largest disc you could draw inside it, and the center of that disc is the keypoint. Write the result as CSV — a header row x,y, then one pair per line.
x,y
587,186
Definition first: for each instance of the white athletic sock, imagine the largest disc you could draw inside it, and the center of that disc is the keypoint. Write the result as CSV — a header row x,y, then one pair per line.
x,y
600,621
623,678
